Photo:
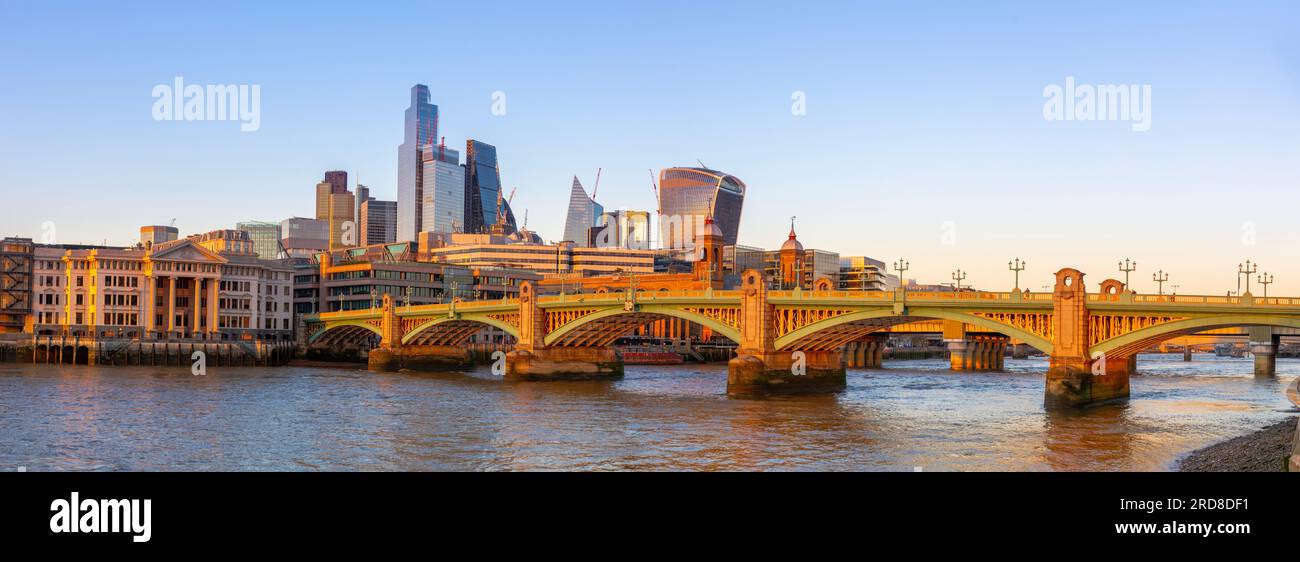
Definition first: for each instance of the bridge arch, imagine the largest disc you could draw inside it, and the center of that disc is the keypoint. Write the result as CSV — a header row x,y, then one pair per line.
x,y
913,314
646,310
344,331
459,324
1137,340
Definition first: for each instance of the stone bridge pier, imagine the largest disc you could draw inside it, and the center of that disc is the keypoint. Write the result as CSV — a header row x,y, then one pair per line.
x,y
533,360
867,353
760,369
1263,345
1074,377
973,352
392,355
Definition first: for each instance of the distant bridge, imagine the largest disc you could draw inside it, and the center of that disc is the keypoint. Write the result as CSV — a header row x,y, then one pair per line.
x,y
1090,337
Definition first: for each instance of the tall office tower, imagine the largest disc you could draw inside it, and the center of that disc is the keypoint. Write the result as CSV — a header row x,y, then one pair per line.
x,y
584,213
443,203
362,195
336,209
482,187
420,130
265,236
378,222
338,180
687,196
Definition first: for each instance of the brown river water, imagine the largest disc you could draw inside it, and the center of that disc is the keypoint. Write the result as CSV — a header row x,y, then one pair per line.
x,y
912,415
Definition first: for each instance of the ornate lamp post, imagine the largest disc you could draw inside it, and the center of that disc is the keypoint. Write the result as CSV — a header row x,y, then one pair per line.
x,y
409,291
901,266
957,277
1017,268
374,298
1265,280
1249,270
1127,267
1160,277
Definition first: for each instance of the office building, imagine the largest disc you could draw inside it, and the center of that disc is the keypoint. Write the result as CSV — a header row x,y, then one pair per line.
x,y
336,208
483,192
584,213
621,229
208,287
420,130
861,273
303,238
266,237
378,222
688,195
443,203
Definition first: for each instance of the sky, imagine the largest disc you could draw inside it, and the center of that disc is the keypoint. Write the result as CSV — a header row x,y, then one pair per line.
x,y
923,135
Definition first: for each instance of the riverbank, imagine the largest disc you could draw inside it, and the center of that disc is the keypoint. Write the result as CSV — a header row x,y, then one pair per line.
x,y
1266,450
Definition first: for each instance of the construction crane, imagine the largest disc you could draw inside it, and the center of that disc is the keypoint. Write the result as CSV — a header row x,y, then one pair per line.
x,y
596,187
512,195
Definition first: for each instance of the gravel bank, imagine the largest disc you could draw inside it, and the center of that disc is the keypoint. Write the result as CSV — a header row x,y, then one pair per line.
x,y
1265,450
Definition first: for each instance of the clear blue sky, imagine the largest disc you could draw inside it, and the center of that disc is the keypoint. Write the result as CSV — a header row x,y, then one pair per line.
x,y
918,114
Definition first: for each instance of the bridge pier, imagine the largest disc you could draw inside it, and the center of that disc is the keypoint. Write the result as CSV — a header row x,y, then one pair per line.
x,y
867,353
1072,384
420,358
978,353
1263,345
799,372
1075,378
760,369
564,364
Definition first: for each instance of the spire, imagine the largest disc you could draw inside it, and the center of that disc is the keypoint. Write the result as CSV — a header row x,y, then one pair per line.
x,y
792,228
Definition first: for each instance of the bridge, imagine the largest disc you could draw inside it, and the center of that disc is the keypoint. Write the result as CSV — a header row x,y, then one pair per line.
x,y
797,341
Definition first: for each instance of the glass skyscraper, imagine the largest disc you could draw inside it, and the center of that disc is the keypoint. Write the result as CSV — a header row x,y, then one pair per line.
x,y
688,195
482,186
584,213
421,130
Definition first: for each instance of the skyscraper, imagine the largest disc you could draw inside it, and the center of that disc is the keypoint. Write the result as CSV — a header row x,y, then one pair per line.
x,y
584,213
443,203
420,130
336,210
482,187
687,196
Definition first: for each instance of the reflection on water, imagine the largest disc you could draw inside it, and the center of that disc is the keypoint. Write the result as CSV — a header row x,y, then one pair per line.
x,y
911,414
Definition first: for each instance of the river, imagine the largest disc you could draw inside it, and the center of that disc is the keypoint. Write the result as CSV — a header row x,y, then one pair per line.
x,y
912,415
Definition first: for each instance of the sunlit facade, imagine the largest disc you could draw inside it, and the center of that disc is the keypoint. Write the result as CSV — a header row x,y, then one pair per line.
x,y
688,195
443,195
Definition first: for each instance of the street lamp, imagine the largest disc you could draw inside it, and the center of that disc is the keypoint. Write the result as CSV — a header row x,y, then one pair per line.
x,y
1127,267
1247,271
1160,277
957,277
901,266
1265,280
1017,267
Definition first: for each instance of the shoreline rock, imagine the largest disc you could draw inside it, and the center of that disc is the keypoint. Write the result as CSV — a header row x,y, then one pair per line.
x,y
1266,450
